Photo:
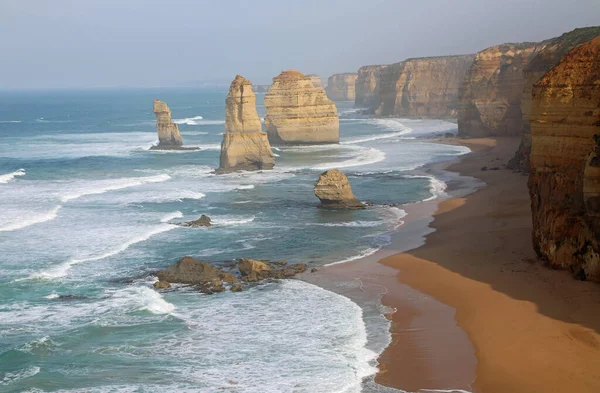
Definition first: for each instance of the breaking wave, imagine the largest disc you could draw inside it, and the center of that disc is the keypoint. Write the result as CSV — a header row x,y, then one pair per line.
x,y
9,176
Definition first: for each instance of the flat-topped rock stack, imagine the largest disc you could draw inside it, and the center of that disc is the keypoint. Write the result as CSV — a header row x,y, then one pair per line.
x,y
244,146
169,136
298,112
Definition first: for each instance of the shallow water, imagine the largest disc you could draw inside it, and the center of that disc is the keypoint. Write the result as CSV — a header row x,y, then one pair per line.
x,y
85,208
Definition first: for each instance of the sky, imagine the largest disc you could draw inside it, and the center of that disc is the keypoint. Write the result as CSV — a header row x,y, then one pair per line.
x,y
151,43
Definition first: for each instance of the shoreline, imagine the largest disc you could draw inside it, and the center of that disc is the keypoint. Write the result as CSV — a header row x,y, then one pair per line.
x,y
473,308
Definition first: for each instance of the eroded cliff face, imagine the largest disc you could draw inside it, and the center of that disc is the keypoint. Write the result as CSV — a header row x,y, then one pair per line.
x,y
544,61
298,112
169,136
316,80
425,87
490,97
342,87
367,86
244,146
564,181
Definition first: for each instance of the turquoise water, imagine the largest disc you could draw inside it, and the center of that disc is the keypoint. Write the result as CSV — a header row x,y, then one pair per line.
x,y
87,216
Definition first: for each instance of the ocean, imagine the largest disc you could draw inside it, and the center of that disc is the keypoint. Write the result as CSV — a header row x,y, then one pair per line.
x,y
88,215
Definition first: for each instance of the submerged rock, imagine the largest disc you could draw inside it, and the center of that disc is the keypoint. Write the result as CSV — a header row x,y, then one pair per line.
x,y
244,146
236,288
334,191
162,285
169,136
203,221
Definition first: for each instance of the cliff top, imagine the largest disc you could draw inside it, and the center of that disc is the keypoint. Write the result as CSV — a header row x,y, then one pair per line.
x,y
557,47
290,75
160,106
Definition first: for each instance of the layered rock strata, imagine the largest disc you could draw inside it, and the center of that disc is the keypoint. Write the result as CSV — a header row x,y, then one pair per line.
x,y
544,61
367,86
490,97
342,87
564,182
169,136
316,80
334,191
298,112
424,87
244,146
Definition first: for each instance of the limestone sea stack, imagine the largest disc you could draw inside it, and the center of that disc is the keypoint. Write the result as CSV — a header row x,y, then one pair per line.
x,y
490,97
342,87
367,86
564,182
424,87
298,112
316,80
543,62
169,136
334,191
244,146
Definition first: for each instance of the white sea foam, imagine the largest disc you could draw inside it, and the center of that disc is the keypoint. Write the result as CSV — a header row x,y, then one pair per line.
x,y
9,176
171,216
11,121
32,219
351,224
363,254
231,220
356,140
142,298
62,269
436,186
364,156
188,120
10,378
52,296
102,186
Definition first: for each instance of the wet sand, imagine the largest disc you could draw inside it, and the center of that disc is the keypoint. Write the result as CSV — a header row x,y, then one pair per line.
x,y
532,329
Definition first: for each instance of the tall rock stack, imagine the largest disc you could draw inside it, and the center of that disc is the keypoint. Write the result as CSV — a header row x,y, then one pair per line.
x,y
543,62
490,97
244,146
367,86
316,80
169,136
424,87
342,87
298,112
564,181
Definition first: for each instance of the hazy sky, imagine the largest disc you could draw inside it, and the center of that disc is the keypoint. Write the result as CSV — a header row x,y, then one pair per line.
x,y
109,43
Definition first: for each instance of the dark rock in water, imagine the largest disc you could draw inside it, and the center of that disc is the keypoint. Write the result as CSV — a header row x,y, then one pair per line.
x,y
236,288
314,270
298,267
203,221
162,285
280,263
191,271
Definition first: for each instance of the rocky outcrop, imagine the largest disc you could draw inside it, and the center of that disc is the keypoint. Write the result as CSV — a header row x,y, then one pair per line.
x,y
342,87
424,87
203,221
544,61
193,272
334,191
565,165
169,136
367,86
490,97
316,80
298,112
244,146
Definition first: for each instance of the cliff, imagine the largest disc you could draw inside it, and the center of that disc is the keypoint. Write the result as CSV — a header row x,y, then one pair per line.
x,y
490,97
169,136
564,182
298,112
545,60
425,87
367,86
316,80
244,146
341,87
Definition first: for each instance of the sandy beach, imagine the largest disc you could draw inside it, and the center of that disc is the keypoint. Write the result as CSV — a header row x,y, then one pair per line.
x,y
533,328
